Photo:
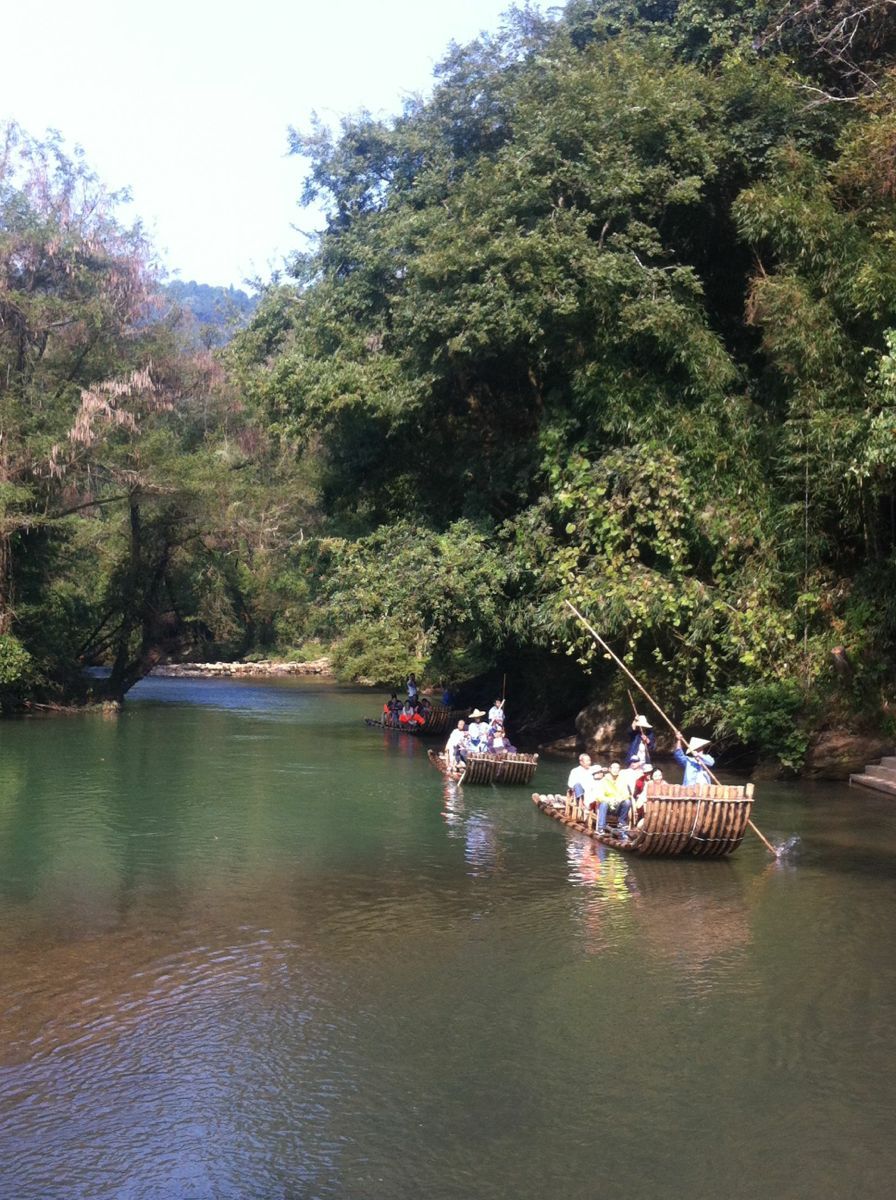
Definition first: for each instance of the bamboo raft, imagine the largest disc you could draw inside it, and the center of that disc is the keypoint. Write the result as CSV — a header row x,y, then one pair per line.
x,y
704,821
489,768
390,728
439,720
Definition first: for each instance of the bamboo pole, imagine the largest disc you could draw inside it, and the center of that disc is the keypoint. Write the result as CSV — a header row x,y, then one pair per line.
x,y
771,849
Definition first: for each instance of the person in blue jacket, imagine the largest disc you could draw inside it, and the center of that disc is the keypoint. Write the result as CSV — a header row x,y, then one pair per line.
x,y
643,741
694,761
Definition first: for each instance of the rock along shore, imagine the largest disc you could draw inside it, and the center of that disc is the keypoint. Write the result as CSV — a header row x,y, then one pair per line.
x,y
319,666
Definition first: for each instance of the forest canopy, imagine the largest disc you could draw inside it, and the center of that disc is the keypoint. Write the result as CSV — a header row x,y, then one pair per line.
x,y
609,316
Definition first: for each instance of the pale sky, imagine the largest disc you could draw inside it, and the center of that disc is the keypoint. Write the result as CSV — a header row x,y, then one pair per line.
x,y
187,103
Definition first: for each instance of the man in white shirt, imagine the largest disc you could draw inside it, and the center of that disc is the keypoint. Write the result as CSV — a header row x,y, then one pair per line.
x,y
455,755
496,712
580,780
630,775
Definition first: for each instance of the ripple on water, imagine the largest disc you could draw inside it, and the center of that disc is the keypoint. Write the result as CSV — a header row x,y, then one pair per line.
x,y
266,960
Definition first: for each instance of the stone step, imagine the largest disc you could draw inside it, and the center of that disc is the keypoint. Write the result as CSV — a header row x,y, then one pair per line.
x,y
881,772
871,781
888,762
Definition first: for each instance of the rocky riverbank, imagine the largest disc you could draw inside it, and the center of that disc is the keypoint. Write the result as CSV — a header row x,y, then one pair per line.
x,y
833,754
227,670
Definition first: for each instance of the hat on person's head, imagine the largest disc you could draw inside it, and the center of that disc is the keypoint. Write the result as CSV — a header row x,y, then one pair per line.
x,y
645,767
477,712
642,721
695,745
634,759
597,769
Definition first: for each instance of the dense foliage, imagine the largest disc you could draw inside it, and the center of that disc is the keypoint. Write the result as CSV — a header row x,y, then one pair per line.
x,y
617,300
130,504
611,316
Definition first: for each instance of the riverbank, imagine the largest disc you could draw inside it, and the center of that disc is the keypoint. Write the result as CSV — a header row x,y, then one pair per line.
x,y
833,754
268,668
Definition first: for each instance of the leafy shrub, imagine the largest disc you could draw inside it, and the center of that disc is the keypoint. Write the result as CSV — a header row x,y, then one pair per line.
x,y
16,666
375,652
769,716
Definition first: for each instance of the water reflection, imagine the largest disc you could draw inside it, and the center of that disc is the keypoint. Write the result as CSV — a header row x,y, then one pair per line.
x,y
483,841
254,957
453,808
608,889
685,914
482,846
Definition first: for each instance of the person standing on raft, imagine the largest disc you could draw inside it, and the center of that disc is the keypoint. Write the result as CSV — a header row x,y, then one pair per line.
x,y
643,741
694,761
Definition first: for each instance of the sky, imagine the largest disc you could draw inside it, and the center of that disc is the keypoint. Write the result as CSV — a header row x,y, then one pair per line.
x,y
187,104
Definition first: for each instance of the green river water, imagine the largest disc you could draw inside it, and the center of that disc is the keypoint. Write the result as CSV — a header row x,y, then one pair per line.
x,y
250,948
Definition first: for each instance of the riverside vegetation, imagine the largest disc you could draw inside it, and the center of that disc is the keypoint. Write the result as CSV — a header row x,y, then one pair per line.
x,y
610,316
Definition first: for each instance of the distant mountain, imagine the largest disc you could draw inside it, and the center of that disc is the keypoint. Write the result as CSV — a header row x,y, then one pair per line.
x,y
217,312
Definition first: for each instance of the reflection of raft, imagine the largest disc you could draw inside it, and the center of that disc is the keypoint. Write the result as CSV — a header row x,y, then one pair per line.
x,y
489,768
704,821
439,720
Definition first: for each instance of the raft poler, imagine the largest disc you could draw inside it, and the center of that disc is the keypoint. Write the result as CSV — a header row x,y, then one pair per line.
x,y
694,761
643,743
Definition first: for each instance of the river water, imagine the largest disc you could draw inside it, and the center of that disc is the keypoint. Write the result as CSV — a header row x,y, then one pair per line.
x,y
250,948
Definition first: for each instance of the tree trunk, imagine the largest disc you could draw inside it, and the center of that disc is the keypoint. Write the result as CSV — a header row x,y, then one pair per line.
x,y
6,589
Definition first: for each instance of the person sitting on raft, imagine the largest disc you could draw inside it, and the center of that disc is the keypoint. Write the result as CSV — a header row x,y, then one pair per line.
x,y
643,741
424,709
694,761
410,717
639,790
496,740
580,780
645,771
594,793
456,746
478,732
630,776
617,798
391,710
